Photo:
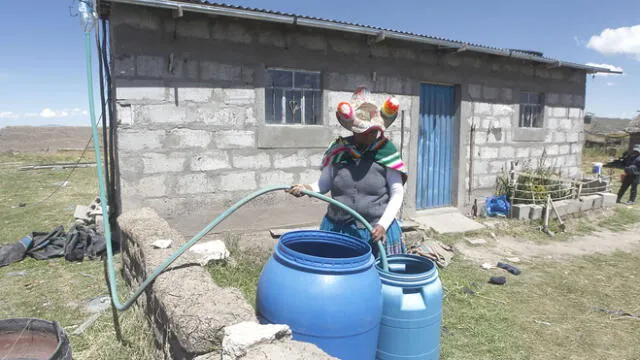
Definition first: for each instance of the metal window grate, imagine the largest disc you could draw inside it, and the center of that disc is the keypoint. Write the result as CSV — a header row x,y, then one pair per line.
x,y
531,110
293,97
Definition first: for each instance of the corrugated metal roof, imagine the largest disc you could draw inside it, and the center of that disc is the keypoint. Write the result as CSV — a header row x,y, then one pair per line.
x,y
284,17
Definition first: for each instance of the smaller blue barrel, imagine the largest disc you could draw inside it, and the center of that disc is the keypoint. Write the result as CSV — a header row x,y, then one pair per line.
x,y
325,287
412,309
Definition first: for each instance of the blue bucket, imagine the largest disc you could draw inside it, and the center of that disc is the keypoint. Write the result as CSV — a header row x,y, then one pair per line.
x,y
412,309
325,287
597,167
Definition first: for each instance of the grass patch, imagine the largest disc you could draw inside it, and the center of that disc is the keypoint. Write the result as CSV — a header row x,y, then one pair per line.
x,y
56,289
241,270
549,311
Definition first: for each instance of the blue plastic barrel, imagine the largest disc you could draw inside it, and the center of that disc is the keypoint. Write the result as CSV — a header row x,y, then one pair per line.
x,y
324,285
412,309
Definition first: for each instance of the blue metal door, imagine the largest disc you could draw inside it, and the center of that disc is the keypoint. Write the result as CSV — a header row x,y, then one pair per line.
x,y
435,146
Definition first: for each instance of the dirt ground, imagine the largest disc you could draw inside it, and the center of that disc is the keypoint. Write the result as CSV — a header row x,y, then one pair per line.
x,y
43,139
602,242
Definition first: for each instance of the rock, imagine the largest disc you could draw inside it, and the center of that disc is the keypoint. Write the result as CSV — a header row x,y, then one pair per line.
x,y
99,220
162,244
240,337
513,259
487,266
98,304
81,213
210,250
476,242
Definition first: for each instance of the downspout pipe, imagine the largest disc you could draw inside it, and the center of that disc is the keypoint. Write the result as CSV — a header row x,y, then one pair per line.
x,y
250,14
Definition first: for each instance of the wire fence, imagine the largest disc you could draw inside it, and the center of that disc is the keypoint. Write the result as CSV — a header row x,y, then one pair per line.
x,y
527,188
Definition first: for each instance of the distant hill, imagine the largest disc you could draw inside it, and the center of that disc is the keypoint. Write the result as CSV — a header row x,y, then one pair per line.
x,y
39,139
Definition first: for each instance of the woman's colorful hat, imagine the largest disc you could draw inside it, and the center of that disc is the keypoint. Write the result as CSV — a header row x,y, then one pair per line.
x,y
361,114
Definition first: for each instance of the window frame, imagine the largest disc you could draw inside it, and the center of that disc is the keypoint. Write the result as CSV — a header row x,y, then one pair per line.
x,y
270,114
531,106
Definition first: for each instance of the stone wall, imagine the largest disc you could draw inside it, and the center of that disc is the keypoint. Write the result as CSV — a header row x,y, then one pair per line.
x,y
190,105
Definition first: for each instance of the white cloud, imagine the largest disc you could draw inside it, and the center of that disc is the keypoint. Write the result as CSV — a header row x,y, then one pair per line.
x,y
47,113
31,115
64,113
607,66
8,115
610,84
578,41
85,112
622,40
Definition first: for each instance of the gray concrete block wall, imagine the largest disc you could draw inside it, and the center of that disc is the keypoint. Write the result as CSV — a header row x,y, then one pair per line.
x,y
190,105
499,141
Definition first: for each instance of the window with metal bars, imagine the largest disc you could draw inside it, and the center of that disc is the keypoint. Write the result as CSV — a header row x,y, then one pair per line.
x,y
293,97
531,110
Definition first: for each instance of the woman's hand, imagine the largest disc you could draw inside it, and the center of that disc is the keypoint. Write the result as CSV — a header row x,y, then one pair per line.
x,y
296,190
378,233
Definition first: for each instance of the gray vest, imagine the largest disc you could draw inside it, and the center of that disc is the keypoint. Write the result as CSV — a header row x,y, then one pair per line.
x,y
362,186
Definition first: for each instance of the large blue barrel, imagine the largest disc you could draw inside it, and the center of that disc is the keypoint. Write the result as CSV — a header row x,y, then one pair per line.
x,y
412,309
325,287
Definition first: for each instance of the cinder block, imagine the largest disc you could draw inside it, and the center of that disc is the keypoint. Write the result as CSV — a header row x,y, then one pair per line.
x,y
129,141
552,150
475,91
523,152
598,202
141,94
195,184
274,178
564,124
257,161
573,206
586,202
151,186
575,113
188,138
150,66
482,108
489,93
309,176
237,181
273,38
608,199
235,139
194,94
214,71
502,110
281,161
507,152
552,99
160,163
124,66
560,112
535,213
562,207
161,114
210,160
565,99
521,211
239,96
506,94
488,153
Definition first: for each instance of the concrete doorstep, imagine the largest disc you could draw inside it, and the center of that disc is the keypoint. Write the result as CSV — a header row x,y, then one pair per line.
x,y
192,317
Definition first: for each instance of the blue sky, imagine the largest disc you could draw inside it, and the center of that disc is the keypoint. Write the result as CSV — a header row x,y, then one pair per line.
x,y
42,68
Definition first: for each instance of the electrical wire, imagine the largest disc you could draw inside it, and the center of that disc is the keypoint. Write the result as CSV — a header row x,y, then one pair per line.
x,y
73,169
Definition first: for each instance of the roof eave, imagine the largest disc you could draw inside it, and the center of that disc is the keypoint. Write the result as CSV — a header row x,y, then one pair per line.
x,y
214,9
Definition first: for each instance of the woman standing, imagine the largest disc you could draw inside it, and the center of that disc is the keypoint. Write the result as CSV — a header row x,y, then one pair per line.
x,y
365,172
